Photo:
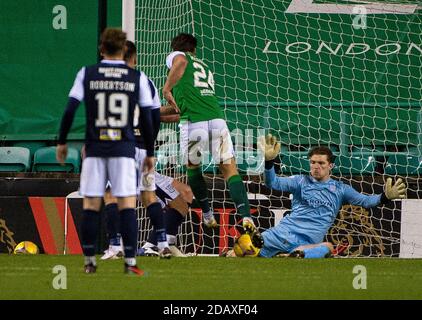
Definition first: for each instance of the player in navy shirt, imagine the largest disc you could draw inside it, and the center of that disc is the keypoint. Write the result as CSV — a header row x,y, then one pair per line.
x,y
165,199
110,90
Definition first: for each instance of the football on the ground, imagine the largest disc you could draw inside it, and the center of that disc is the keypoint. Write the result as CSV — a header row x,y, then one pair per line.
x,y
243,246
26,247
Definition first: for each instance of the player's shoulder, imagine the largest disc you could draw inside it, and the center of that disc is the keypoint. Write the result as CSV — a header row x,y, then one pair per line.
x,y
337,185
89,70
105,63
173,54
196,59
170,57
152,82
146,81
91,66
337,182
101,64
300,178
141,74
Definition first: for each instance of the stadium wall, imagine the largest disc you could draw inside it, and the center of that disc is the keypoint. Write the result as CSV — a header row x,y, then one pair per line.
x,y
380,231
46,44
42,221
44,225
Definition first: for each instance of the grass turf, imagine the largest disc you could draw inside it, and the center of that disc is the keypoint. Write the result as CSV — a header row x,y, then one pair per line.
x,y
31,277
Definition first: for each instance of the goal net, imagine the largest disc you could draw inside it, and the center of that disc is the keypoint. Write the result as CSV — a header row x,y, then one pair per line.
x,y
346,74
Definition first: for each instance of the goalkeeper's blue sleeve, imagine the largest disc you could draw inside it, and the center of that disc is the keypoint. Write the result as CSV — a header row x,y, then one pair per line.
x,y
358,199
289,184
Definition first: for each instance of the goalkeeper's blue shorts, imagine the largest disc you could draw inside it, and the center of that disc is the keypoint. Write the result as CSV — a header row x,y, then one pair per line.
x,y
279,240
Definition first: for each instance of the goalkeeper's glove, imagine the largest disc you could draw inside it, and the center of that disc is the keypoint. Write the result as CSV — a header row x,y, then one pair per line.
x,y
398,191
250,228
269,146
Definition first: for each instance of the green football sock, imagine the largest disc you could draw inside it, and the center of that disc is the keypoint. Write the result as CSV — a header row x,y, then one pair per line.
x,y
199,188
238,195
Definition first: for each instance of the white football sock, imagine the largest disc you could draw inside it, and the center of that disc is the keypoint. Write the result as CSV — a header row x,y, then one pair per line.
x,y
171,239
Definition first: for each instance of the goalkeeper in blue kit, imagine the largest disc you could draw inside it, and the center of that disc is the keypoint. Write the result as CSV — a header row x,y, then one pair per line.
x,y
317,199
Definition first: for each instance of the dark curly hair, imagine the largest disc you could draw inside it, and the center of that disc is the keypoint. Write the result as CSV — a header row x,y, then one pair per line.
x,y
130,50
184,42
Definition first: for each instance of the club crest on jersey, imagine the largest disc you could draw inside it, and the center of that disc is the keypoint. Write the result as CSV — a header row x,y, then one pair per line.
x,y
110,134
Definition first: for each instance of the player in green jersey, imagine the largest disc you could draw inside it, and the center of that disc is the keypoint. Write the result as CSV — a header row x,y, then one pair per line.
x,y
189,89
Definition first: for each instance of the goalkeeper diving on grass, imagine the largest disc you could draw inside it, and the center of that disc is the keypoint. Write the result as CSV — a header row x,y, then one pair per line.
x,y
317,199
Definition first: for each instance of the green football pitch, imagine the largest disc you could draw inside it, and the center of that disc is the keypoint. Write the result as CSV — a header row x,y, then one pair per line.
x,y
33,277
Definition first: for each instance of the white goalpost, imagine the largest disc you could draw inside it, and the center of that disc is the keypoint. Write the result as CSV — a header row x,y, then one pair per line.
x,y
128,18
346,74
72,195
